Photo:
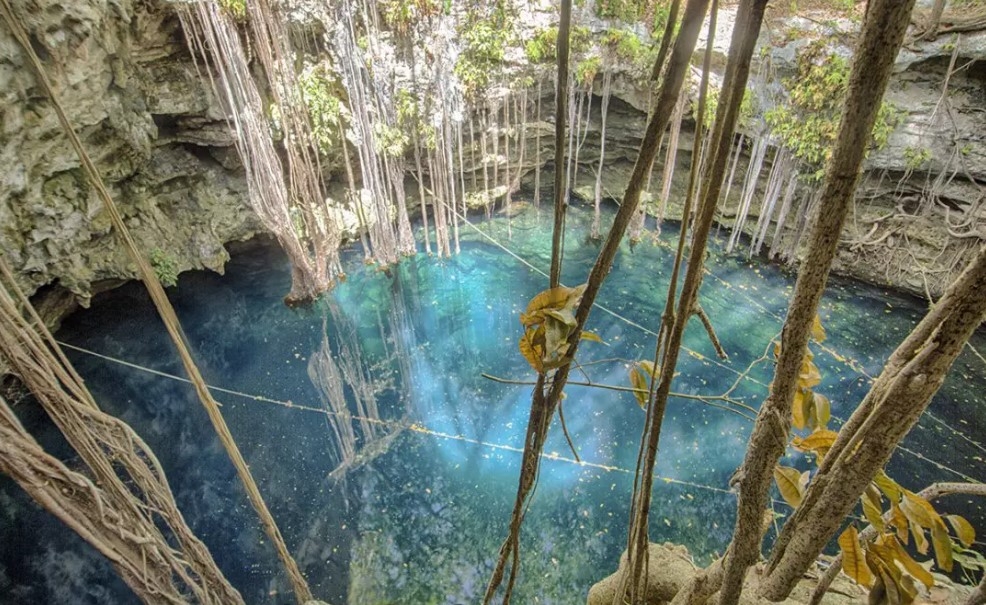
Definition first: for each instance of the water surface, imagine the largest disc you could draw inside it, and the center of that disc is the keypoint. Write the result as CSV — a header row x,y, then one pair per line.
x,y
421,514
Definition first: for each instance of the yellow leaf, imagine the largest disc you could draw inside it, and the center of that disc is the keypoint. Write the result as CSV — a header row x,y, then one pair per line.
x,y
777,349
919,510
872,513
587,335
532,352
799,416
943,546
853,562
557,298
910,565
920,540
819,441
817,331
821,410
963,530
789,483
888,486
810,376
639,382
649,367
899,521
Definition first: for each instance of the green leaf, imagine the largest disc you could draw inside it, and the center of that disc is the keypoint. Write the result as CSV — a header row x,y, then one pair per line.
x,y
963,530
789,483
853,561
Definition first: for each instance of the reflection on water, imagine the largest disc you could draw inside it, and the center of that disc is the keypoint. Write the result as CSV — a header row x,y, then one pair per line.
x,y
391,464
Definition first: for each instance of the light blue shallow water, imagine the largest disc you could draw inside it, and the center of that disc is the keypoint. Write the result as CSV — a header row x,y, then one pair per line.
x,y
420,520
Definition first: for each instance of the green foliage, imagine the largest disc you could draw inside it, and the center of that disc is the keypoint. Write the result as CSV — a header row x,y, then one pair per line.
x,y
808,122
165,266
482,54
629,11
915,157
585,71
542,48
627,48
235,8
390,140
402,15
318,89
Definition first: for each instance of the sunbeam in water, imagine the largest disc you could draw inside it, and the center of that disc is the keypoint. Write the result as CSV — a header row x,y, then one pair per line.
x,y
391,462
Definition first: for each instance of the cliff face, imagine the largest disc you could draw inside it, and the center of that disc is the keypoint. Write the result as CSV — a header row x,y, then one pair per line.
x,y
131,90
130,87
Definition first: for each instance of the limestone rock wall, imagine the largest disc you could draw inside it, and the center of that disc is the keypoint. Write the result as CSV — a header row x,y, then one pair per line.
x,y
131,90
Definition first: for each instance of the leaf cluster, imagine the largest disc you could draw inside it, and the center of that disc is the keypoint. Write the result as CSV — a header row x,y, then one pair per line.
x,y
808,122
543,47
629,11
548,322
235,9
882,564
165,266
319,90
482,53
402,16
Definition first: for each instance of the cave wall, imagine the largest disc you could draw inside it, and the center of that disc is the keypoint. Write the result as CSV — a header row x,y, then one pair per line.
x,y
130,89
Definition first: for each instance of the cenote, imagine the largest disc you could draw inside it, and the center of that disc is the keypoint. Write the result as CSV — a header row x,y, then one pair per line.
x,y
421,510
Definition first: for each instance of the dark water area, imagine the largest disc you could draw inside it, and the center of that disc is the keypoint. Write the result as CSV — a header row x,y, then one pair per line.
x,y
432,445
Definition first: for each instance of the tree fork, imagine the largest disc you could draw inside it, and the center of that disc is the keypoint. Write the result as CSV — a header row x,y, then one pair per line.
x,y
880,40
896,402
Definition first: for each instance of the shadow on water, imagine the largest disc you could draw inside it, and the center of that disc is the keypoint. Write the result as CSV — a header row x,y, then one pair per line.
x,y
391,464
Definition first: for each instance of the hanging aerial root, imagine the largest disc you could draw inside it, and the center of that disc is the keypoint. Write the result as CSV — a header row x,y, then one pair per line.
x,y
165,310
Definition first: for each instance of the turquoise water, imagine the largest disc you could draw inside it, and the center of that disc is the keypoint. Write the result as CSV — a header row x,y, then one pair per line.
x,y
419,516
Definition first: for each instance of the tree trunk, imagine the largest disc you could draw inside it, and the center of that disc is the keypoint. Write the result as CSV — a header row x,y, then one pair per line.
x,y
879,42
894,404
561,115
543,404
